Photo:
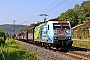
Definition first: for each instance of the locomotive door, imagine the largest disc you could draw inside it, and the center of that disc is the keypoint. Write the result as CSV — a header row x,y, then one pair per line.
x,y
44,33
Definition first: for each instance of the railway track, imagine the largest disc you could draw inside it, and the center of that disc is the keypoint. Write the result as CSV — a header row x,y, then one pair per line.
x,y
78,55
81,55
75,53
88,50
54,58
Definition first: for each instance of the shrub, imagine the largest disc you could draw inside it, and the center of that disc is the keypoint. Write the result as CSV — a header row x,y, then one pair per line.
x,y
2,41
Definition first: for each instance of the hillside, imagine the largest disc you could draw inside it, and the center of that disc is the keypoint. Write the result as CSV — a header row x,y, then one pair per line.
x,y
9,28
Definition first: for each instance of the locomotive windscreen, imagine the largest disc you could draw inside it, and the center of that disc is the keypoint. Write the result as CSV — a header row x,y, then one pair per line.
x,y
61,26
65,26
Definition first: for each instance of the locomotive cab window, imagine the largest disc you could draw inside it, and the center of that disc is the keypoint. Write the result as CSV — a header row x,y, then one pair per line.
x,y
65,26
56,26
61,26
48,27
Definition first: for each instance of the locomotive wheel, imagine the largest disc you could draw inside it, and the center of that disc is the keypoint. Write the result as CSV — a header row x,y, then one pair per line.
x,y
49,46
42,44
70,45
46,45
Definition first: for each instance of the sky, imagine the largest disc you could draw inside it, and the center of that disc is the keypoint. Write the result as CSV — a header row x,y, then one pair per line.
x,y
27,12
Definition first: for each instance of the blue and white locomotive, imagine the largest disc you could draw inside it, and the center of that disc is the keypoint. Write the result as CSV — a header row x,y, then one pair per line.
x,y
53,34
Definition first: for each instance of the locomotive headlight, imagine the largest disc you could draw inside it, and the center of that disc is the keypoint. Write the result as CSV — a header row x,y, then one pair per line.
x,y
68,38
67,31
55,32
55,38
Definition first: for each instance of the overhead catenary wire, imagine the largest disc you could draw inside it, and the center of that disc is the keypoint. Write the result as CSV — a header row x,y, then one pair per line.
x,y
52,8
56,6
50,5
45,9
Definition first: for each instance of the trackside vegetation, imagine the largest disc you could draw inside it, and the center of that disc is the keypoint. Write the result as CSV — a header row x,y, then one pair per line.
x,y
82,44
14,51
3,36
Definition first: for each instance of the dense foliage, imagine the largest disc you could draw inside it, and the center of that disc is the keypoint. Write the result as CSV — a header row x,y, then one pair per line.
x,y
15,51
78,15
82,44
2,33
3,36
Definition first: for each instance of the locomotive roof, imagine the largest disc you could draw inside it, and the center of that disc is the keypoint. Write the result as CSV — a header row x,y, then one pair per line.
x,y
52,22
30,28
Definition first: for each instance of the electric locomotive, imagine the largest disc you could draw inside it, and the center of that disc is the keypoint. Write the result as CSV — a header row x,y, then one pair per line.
x,y
54,34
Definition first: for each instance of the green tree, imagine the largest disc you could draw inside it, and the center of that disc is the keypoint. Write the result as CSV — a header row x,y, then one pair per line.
x,y
77,15
84,12
71,16
76,8
3,36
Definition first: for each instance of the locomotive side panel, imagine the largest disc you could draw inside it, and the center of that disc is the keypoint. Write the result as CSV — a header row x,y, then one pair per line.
x,y
40,33
50,32
37,34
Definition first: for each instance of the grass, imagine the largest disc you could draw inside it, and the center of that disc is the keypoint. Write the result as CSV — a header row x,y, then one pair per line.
x,y
14,51
82,44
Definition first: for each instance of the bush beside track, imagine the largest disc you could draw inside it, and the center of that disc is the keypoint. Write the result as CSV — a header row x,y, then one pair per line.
x,y
14,51
81,43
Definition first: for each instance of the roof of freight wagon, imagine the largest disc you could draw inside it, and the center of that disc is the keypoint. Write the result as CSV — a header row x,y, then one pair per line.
x,y
42,24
